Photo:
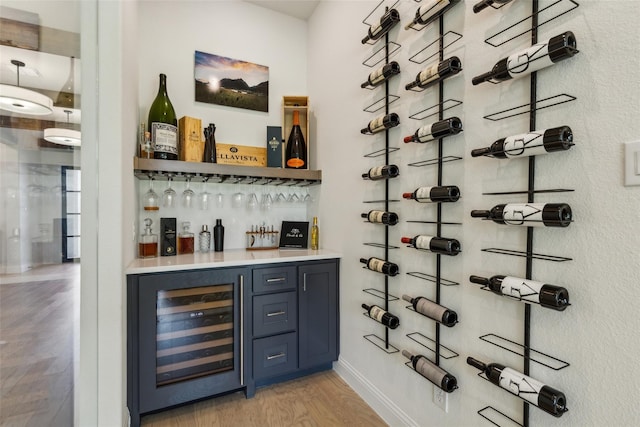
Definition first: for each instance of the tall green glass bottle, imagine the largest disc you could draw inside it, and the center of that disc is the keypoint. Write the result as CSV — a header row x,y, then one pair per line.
x,y
163,124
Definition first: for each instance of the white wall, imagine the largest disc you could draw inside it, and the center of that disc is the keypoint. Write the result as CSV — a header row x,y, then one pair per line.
x,y
595,334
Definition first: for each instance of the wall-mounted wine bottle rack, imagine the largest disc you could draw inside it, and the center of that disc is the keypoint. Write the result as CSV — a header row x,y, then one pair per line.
x,y
556,9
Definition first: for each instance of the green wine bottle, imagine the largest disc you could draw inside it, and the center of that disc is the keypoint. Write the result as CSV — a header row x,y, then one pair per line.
x,y
163,124
296,154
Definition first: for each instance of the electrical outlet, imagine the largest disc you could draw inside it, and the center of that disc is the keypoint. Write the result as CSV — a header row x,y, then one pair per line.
x,y
441,398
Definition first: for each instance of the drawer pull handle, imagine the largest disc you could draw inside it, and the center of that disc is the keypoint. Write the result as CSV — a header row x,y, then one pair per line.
x,y
276,280
276,313
276,356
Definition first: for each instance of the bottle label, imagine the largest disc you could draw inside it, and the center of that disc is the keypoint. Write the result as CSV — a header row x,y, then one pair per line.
x,y
377,76
295,163
429,74
532,59
424,133
375,172
521,385
430,309
376,216
423,242
429,370
527,214
165,137
376,124
526,144
423,194
377,313
376,264
521,289
431,7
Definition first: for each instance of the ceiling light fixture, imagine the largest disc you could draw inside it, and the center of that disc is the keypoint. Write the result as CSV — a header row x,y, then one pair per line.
x,y
24,101
63,136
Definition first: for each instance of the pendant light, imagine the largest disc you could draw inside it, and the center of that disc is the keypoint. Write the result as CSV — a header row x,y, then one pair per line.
x,y
63,136
24,101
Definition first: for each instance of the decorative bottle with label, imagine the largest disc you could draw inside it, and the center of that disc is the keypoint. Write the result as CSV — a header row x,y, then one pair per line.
x,y
296,155
148,243
163,124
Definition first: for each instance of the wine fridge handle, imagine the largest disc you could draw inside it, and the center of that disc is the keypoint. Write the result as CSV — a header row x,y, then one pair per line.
x,y
304,282
242,329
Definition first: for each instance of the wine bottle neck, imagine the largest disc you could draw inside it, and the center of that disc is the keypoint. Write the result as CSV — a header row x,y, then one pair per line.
x,y
296,118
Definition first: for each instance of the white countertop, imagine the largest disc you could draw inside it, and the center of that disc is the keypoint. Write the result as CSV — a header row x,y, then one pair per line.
x,y
230,258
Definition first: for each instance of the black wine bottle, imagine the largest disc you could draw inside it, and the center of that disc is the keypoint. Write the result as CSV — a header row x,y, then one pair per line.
x,y
381,217
531,390
548,296
432,310
383,73
296,153
432,372
529,144
379,314
437,130
435,73
430,11
443,193
437,245
382,172
528,214
480,6
381,266
381,123
532,59
210,155
163,124
387,22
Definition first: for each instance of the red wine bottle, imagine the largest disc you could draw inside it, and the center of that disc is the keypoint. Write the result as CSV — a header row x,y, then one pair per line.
x,y
296,154
432,310
444,193
432,372
532,59
381,217
382,172
533,391
382,74
163,124
480,6
529,144
430,11
379,314
381,123
387,22
437,245
528,214
381,266
437,130
435,73
548,296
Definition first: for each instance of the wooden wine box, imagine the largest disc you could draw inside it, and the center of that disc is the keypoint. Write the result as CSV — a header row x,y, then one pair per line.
x,y
232,154
289,105
191,140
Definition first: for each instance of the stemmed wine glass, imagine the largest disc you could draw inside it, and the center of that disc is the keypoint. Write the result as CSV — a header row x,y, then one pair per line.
x,y
169,195
188,194
150,199
205,196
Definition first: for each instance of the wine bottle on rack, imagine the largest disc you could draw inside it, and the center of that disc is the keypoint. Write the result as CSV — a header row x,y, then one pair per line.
x,y
296,153
480,6
434,73
379,314
532,59
437,130
381,217
531,390
163,124
381,123
383,73
432,372
437,245
432,310
381,266
429,12
442,193
529,144
382,172
387,22
528,214
548,296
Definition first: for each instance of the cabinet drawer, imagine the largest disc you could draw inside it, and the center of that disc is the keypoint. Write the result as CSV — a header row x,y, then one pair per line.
x,y
274,279
274,313
275,355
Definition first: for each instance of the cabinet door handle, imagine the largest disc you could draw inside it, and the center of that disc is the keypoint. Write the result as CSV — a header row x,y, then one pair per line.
x,y
276,280
242,329
276,356
276,313
304,282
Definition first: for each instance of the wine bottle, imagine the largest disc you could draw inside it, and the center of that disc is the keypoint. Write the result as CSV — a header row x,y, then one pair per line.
x,y
381,123
437,130
387,22
381,217
429,12
381,266
382,172
434,73
529,144
383,73
437,245
444,193
432,310
163,124
480,6
210,155
378,314
315,235
532,59
548,296
533,391
432,372
296,154
528,214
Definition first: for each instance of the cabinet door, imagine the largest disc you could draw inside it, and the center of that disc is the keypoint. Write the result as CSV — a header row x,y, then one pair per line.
x,y
317,314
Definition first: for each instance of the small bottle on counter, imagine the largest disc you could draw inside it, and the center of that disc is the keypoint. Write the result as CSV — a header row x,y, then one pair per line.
x,y
218,236
185,239
315,234
204,239
148,243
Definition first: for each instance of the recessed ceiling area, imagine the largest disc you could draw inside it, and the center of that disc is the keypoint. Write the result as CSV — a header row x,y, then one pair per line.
x,y
301,9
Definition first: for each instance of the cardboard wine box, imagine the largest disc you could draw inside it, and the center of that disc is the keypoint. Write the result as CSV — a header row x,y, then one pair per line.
x,y
231,154
191,140
167,236
275,146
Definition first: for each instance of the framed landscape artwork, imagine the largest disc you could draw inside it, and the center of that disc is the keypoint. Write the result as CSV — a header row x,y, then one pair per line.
x,y
231,82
